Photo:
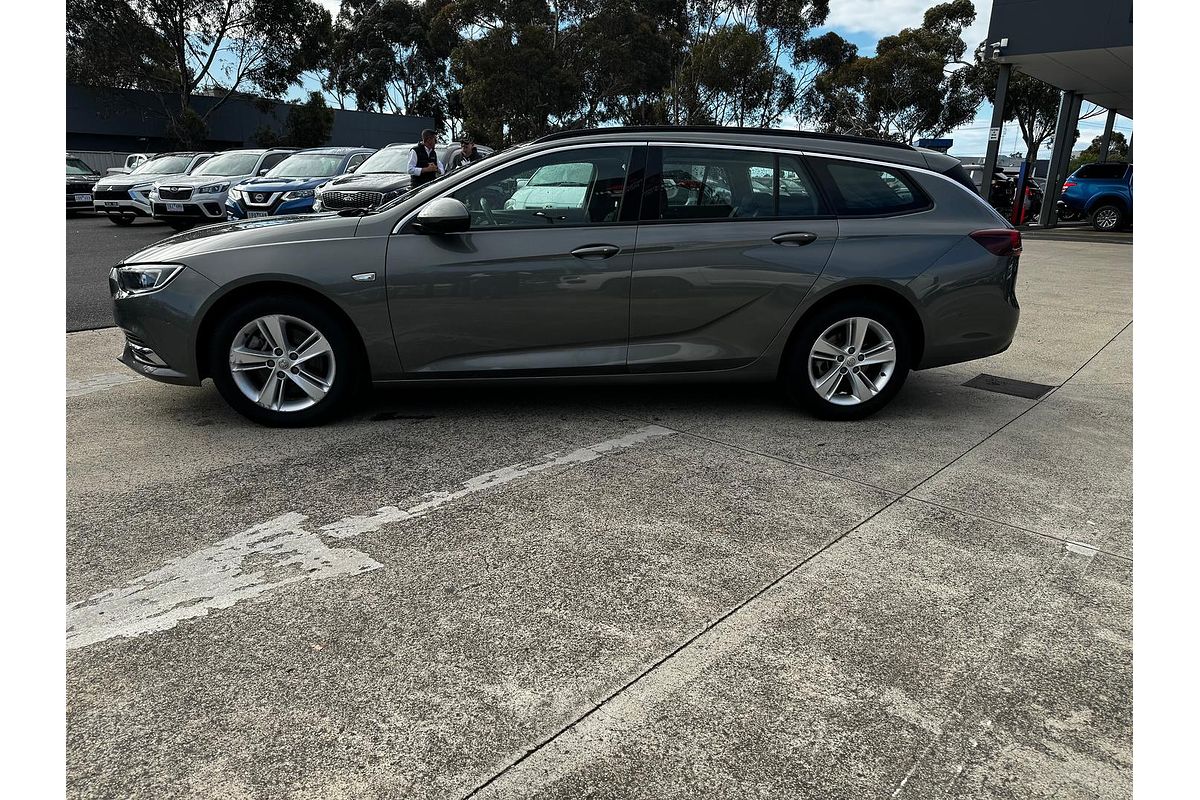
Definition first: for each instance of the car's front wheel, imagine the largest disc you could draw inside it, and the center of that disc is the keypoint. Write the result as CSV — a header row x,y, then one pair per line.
x,y
181,224
124,220
284,362
1108,217
848,361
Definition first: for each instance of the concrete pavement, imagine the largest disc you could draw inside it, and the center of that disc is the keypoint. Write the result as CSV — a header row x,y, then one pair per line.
x,y
619,592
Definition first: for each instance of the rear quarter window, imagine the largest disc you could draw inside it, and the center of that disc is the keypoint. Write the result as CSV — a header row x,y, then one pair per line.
x,y
858,189
1102,171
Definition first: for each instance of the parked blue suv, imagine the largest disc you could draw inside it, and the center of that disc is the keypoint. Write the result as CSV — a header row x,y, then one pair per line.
x,y
1102,192
290,187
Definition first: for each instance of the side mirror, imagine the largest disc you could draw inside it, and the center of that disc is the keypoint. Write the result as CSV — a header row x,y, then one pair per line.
x,y
352,169
444,215
263,172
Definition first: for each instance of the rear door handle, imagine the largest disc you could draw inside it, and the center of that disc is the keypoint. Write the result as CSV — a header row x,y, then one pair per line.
x,y
798,239
596,251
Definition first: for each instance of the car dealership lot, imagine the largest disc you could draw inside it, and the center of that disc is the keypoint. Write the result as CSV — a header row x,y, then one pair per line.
x,y
618,592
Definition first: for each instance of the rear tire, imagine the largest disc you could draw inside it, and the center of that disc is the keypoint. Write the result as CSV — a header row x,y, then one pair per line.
x,y
1108,217
123,220
848,360
308,378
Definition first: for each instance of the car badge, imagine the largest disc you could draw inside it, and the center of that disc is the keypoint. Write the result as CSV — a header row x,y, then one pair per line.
x,y
259,197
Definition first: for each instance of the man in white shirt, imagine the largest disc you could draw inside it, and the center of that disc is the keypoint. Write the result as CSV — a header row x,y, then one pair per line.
x,y
423,163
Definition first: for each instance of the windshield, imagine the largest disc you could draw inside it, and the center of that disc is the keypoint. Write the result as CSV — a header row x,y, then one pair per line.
x,y
229,164
562,175
389,159
167,165
308,165
76,166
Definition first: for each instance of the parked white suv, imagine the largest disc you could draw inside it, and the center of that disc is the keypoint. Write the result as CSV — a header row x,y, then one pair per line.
x,y
186,200
124,198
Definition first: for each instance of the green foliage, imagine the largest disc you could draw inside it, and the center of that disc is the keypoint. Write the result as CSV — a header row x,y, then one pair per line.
x,y
309,124
1118,150
178,47
907,89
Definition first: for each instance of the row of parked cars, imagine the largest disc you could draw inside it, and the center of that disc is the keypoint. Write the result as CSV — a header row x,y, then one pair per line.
x,y
1100,193
188,188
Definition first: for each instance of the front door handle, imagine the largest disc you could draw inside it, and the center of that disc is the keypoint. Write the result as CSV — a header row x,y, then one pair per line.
x,y
596,251
798,239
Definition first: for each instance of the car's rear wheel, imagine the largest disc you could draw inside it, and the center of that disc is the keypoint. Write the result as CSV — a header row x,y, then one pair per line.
x,y
848,360
284,362
124,220
1108,217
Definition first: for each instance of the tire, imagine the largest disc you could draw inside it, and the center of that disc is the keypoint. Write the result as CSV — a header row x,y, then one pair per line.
x,y
181,224
123,220
849,396
1108,217
336,376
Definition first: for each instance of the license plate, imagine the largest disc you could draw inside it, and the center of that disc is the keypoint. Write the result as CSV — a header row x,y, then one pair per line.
x,y
83,198
111,204
253,214
174,208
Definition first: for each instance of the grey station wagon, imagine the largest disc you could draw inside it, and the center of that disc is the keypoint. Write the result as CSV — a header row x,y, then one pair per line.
x,y
831,264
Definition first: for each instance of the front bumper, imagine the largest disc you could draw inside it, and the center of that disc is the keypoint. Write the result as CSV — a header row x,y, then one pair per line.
x,y
191,209
74,203
160,327
130,202
239,210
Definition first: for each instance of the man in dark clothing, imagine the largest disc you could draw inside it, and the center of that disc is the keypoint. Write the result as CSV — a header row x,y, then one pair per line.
x,y
469,154
423,162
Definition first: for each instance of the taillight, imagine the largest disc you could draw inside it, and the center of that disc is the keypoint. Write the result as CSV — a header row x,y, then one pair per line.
x,y
1000,241
1069,184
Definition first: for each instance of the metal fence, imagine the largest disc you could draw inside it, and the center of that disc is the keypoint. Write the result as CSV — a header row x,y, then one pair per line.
x,y
101,160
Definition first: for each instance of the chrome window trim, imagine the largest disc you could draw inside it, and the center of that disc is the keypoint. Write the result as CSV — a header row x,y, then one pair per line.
x,y
404,220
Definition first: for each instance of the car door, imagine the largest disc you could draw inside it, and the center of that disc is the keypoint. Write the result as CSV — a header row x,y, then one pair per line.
x,y
527,289
730,241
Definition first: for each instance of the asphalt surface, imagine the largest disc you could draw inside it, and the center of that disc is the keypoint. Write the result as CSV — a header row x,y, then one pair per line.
x,y
645,592
93,245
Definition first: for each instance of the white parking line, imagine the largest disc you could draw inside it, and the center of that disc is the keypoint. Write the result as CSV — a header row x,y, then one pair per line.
x,y
100,383
279,552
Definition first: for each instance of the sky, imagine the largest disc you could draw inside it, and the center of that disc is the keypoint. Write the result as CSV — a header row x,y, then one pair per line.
x,y
864,22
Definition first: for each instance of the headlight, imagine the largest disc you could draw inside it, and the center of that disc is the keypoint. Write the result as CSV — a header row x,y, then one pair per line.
x,y
216,188
234,194
298,194
144,278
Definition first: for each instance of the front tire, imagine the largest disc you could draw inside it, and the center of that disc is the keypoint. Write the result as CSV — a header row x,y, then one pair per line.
x,y
122,220
284,362
848,360
181,224
1108,217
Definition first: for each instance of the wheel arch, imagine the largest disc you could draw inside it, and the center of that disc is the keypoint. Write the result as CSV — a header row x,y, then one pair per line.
x,y
270,288
1108,198
885,295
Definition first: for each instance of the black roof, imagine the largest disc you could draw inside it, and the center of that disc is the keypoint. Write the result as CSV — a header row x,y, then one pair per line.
x,y
722,130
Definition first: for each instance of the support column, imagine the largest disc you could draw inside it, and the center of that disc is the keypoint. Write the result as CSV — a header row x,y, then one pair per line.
x,y
1064,168
1049,213
993,148
1107,139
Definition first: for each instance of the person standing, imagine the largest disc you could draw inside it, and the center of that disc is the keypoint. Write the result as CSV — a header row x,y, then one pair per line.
x,y
469,154
423,164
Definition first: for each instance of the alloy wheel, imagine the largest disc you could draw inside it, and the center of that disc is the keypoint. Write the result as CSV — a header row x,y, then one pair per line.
x,y
1107,218
852,361
282,363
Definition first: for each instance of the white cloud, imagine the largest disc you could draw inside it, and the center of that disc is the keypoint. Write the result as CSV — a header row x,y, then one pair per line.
x,y
885,17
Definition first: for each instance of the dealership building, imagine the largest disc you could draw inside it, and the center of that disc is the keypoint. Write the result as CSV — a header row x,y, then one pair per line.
x,y
1084,48
120,121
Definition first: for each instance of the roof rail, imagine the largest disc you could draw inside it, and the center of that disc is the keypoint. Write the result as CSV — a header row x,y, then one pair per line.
x,y
831,137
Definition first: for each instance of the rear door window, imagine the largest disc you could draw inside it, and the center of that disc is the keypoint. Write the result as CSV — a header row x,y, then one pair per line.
x,y
859,189
695,184
1102,171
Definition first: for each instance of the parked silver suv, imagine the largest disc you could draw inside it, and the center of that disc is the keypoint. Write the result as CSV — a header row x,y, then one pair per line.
x,y
182,201
832,264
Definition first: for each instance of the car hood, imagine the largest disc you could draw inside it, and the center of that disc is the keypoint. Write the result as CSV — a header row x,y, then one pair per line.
x,y
371,182
280,184
204,180
246,233
139,179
